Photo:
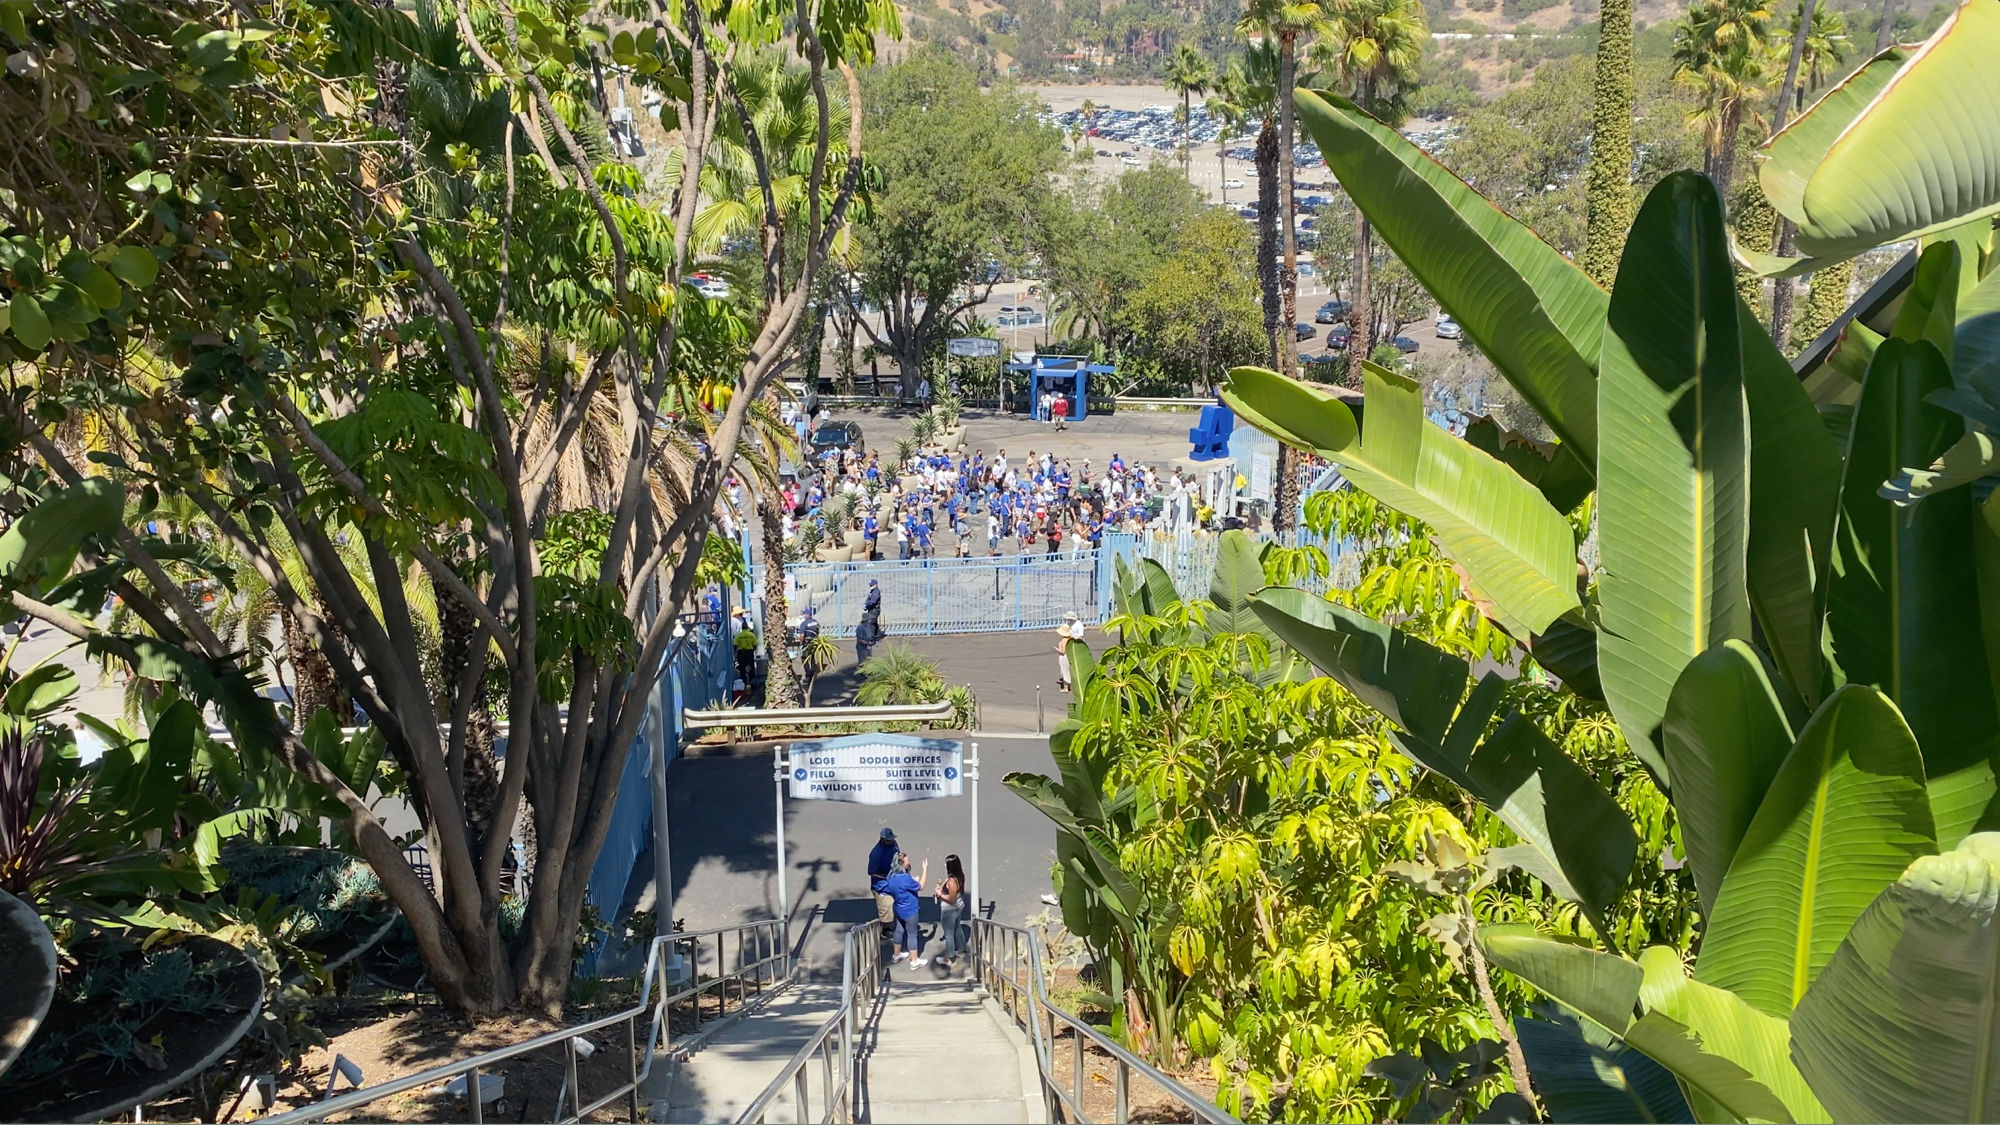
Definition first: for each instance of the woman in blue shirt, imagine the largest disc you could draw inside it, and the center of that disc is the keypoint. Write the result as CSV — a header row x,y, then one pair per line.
x,y
904,888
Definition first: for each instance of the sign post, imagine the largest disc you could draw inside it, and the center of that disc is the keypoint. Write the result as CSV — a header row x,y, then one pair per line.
x,y
875,769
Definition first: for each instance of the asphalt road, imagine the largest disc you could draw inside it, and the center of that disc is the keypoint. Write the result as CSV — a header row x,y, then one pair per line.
x,y
722,814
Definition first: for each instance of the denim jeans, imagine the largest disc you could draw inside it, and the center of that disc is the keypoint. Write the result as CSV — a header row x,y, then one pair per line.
x,y
949,916
906,935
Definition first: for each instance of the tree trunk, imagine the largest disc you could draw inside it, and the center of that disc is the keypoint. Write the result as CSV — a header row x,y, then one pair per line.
x,y
1885,32
1610,179
1187,126
909,365
1267,234
1725,153
781,688
314,686
1288,276
1782,289
1361,309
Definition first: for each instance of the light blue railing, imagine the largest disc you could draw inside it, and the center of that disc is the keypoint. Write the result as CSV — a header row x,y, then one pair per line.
x,y
1007,593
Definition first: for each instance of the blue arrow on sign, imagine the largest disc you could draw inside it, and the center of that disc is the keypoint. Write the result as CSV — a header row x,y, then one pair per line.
x,y
799,774
950,772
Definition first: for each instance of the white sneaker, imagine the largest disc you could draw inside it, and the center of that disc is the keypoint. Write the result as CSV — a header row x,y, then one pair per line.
x,y
900,954
917,964
1051,900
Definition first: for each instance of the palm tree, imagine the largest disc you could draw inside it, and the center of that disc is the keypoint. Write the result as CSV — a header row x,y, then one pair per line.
x,y
1822,37
1252,86
897,674
1374,47
1721,50
1292,23
1187,74
1222,106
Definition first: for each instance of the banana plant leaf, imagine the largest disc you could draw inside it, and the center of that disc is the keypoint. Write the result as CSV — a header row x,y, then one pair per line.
x,y
1410,682
1975,364
1729,1057
1900,1026
1239,572
1846,813
1570,651
38,549
1794,493
1929,310
1574,836
1790,158
1904,582
1924,155
1562,477
1673,516
1586,1075
1530,310
1726,734
1517,550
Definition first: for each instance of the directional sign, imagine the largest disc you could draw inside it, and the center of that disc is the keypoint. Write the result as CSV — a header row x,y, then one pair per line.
x,y
877,769
973,347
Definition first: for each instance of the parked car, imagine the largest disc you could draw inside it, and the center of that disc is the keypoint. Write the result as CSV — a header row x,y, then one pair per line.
x,y
1104,152
836,435
1333,312
1304,331
1232,183
708,285
1247,212
1404,344
1448,329
1336,338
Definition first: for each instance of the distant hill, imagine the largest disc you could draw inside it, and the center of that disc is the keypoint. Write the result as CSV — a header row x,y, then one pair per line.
x,y
1482,47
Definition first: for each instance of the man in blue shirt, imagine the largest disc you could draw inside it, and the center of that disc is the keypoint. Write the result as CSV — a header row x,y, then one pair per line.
x,y
882,861
869,528
922,534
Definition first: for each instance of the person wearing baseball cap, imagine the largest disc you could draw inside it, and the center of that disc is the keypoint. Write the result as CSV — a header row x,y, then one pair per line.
x,y
881,861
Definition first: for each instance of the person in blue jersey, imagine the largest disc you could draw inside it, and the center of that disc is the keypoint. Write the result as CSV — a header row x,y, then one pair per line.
x,y
907,891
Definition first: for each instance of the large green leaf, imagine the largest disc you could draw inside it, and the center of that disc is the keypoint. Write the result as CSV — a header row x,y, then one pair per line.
x,y
1725,736
1925,153
1516,549
1580,841
1929,307
1239,572
1900,1025
40,546
1412,683
1787,161
1673,515
1584,1074
1846,813
1689,1027
1904,587
1529,309
1975,361
1720,1048
1986,559
1794,493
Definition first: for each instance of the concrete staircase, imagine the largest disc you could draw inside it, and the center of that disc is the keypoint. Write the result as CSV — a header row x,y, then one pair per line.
x,y
942,1052
933,1049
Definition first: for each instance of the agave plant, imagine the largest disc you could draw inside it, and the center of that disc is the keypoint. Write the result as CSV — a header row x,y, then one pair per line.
x,y
1796,619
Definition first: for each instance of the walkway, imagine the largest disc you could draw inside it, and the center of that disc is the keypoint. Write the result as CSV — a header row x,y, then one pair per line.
x,y
933,1049
941,1052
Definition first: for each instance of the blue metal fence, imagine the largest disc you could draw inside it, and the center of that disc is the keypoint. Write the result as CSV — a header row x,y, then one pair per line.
x,y
699,675
972,595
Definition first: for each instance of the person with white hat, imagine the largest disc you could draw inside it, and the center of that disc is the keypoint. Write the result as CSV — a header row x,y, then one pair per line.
x,y
1070,630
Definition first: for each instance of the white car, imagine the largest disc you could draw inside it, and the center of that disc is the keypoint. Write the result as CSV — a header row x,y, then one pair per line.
x,y
1448,329
1232,184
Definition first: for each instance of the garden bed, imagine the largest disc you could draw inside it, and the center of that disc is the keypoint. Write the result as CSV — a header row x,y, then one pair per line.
x,y
28,965
345,911
129,1024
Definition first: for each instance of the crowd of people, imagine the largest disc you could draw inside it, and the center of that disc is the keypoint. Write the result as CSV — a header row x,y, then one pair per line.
x,y
963,504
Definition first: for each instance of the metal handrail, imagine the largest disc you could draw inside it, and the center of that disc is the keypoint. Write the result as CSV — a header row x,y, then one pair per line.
x,y
1009,962
861,978
763,957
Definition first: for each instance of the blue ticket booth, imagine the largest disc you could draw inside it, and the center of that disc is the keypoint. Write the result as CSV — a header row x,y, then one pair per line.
x,y
1068,375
